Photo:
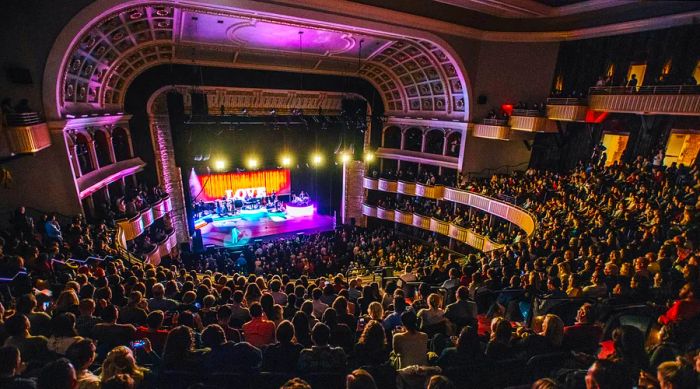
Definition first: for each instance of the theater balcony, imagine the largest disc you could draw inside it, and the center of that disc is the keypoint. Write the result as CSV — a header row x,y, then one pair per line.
x,y
25,133
531,120
492,129
93,181
567,109
137,224
647,100
162,249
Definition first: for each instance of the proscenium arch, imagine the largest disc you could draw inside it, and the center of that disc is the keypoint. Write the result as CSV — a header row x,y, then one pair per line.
x,y
417,73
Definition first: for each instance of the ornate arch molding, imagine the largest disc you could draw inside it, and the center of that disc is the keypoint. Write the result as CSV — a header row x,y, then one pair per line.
x,y
110,42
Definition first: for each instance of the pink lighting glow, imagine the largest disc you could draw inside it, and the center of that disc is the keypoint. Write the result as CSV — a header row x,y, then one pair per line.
x,y
295,211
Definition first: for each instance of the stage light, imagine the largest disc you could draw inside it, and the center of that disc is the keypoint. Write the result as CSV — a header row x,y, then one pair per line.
x,y
286,160
369,157
252,163
316,159
344,157
220,164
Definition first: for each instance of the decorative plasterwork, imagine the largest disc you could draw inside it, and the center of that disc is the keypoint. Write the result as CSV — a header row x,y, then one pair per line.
x,y
414,76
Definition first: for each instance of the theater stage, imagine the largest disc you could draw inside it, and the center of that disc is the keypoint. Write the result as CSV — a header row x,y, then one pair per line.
x,y
259,224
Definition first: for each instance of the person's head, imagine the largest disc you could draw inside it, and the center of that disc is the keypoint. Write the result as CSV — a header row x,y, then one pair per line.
x,y
373,335
285,332
553,329
585,314
10,361
118,381
58,374
688,291
110,313
674,375
468,340
179,341
434,301
628,342
213,336
605,374
119,361
502,331
440,382
462,293
256,310
375,311
545,383
296,383
17,325
360,379
81,353
63,325
154,320
320,334
409,320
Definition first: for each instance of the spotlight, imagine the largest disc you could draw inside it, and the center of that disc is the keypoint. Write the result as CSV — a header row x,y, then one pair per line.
x,y
252,163
220,164
317,159
286,160
369,157
344,157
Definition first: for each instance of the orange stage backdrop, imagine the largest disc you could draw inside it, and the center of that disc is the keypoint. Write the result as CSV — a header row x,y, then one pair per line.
x,y
215,185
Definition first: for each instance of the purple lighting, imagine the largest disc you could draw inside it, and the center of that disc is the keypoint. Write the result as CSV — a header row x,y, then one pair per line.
x,y
300,211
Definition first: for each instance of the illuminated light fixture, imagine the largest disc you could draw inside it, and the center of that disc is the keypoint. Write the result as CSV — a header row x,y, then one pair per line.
x,y
369,157
286,160
344,157
316,159
252,163
220,164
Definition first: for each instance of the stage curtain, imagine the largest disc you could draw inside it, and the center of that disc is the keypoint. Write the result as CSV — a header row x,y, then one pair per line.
x,y
215,185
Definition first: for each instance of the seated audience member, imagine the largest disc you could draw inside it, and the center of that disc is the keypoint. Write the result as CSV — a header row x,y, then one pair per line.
x,y
393,320
87,320
598,289
32,348
666,349
321,357
11,368
259,331
283,356
121,361
296,383
411,345
159,301
584,335
687,307
360,379
58,374
467,351
133,312
239,313
301,329
629,353
153,331
109,334
500,344
671,375
342,309
548,341
433,315
224,356
63,333
341,335
440,382
371,348
82,355
179,352
40,321
605,374
223,318
462,312
319,306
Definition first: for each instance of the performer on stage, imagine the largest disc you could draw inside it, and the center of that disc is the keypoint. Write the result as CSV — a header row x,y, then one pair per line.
x,y
234,235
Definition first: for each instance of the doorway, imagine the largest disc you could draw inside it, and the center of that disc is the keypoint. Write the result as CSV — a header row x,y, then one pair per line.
x,y
682,147
615,145
638,70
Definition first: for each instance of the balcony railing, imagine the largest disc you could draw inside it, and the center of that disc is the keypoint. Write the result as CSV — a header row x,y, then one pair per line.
x,y
386,185
25,139
512,213
676,100
136,225
442,227
527,112
492,129
407,188
567,109
96,179
532,123
418,157
370,183
162,249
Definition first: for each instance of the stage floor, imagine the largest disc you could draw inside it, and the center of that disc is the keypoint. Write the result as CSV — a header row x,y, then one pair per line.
x,y
217,230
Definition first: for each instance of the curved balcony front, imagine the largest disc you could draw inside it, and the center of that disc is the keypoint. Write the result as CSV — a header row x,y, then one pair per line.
x,y
136,225
369,210
407,188
386,185
370,183
434,192
403,217
385,214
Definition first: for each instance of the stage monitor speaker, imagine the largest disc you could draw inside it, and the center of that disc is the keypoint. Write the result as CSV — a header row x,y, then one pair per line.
x,y
18,75
197,242
482,99
199,104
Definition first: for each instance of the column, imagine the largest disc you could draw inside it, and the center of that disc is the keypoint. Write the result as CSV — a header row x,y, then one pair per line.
x,y
93,153
110,147
423,139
